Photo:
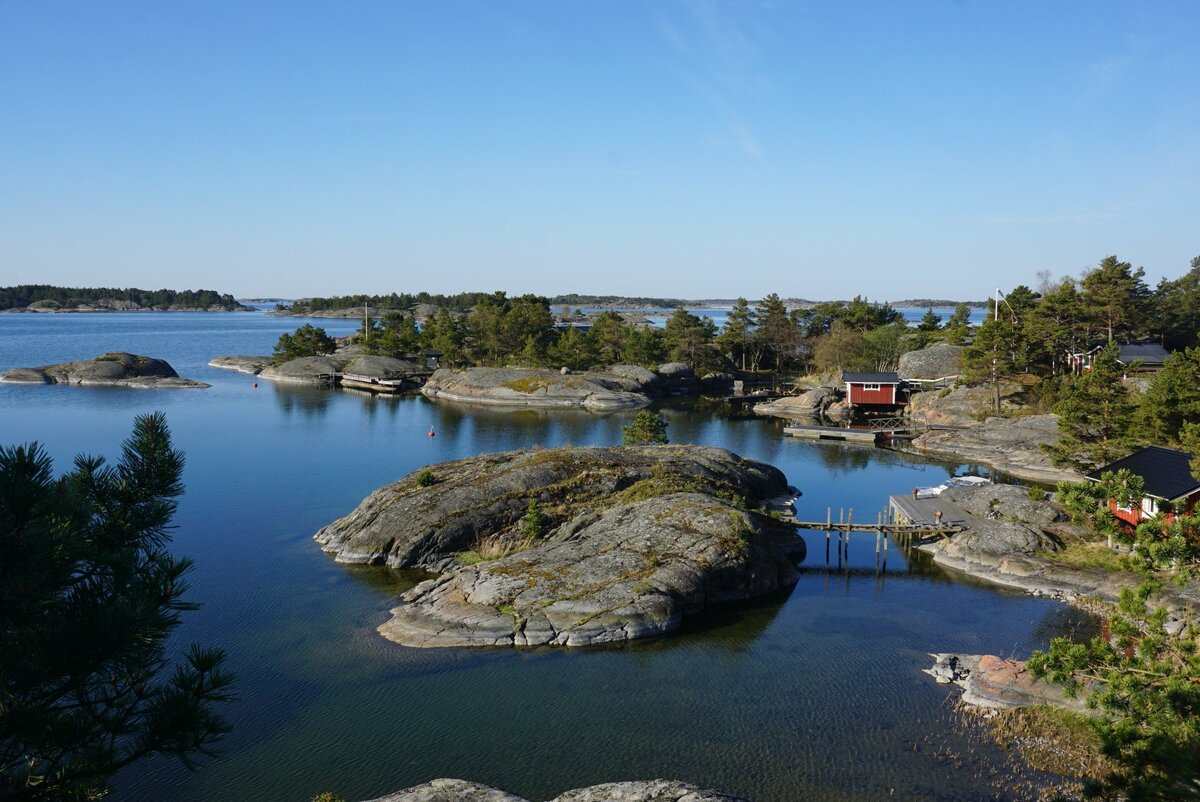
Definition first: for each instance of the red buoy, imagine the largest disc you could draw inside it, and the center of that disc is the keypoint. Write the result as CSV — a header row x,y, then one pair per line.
x,y
431,432
256,385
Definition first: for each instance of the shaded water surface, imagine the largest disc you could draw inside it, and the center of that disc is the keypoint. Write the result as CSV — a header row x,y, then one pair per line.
x,y
814,693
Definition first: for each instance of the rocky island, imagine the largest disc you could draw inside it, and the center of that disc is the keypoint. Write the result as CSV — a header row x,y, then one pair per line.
x,y
620,387
447,790
115,369
592,545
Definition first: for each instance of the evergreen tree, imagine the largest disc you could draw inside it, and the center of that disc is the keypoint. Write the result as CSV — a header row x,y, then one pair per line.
x,y
445,333
647,428
1175,309
689,339
608,337
643,346
958,325
89,595
1096,414
777,330
990,358
1172,399
735,335
1053,328
931,321
308,340
1144,681
573,349
1114,297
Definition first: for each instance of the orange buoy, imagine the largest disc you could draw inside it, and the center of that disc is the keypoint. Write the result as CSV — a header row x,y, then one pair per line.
x,y
431,432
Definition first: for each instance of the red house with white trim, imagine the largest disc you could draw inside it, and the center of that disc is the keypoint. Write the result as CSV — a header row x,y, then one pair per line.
x,y
876,390
1168,484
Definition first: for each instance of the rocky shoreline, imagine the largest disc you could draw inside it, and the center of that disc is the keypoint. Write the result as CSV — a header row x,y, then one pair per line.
x,y
450,790
621,387
625,542
114,369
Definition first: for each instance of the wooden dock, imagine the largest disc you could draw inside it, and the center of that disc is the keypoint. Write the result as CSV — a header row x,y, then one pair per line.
x,y
889,524
880,430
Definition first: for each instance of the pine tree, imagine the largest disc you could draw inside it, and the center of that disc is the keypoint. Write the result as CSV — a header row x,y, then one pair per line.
x,y
647,428
931,322
1114,297
1172,399
958,325
735,335
1096,415
89,596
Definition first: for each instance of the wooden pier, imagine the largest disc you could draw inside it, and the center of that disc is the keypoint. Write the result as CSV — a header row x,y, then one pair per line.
x,y
890,523
880,430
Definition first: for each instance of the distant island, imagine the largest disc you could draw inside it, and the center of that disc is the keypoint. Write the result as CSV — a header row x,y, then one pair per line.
x,y
48,298
928,303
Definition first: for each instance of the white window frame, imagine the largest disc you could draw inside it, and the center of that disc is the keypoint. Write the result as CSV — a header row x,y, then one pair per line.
x,y
872,387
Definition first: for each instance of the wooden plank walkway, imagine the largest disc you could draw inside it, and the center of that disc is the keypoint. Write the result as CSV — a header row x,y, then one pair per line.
x,y
924,511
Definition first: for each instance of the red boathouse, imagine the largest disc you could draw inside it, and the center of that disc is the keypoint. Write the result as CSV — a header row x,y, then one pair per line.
x,y
1168,484
872,389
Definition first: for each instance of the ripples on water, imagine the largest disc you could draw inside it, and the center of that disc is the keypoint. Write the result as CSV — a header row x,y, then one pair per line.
x,y
812,694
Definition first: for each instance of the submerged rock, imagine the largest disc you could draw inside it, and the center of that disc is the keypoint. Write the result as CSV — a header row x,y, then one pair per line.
x,y
114,369
447,790
627,541
539,388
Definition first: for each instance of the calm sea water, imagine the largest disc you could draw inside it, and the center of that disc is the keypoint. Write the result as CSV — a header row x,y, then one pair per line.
x,y
813,694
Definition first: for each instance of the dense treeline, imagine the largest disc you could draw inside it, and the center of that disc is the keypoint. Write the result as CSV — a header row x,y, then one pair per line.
x,y
575,300
25,294
1101,416
500,330
917,303
461,302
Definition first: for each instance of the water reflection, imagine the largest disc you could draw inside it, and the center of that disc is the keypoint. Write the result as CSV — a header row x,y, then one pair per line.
x,y
298,398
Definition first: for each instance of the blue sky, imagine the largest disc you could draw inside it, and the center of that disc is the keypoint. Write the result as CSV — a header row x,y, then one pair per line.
x,y
686,149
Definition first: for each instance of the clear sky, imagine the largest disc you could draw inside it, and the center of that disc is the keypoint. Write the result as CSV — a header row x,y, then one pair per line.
x,y
686,149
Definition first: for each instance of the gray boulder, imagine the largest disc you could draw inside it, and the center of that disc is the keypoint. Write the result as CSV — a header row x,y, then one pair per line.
x,y
645,791
1008,502
811,404
537,388
934,362
306,369
672,371
243,364
985,536
114,369
379,367
643,378
1013,445
960,406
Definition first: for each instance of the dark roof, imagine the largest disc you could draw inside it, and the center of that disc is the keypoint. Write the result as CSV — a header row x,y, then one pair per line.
x,y
1166,472
1148,353
871,378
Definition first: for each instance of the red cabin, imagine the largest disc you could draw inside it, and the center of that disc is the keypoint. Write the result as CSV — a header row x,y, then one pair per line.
x,y
1168,484
872,389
